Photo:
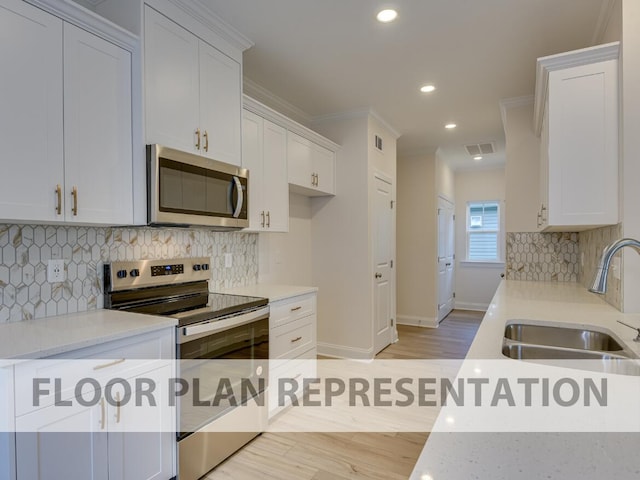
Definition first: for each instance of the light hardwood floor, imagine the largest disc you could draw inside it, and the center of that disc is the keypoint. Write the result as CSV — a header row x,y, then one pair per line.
x,y
337,456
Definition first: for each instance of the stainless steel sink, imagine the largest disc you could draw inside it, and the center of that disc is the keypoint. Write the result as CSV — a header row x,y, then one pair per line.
x,y
521,351
568,346
566,337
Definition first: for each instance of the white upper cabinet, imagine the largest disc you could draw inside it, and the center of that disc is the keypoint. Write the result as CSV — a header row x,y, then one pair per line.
x,y
311,166
576,116
264,153
65,122
31,131
192,90
97,130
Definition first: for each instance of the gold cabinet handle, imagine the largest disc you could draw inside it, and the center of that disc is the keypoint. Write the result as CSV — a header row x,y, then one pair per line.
x,y
206,141
74,194
263,222
317,180
110,364
59,199
197,139
102,417
118,407
297,339
295,309
268,219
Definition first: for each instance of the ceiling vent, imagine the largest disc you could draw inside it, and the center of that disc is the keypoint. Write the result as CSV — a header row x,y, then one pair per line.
x,y
480,149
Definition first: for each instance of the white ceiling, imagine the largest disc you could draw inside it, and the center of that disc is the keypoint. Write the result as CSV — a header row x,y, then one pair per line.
x,y
331,56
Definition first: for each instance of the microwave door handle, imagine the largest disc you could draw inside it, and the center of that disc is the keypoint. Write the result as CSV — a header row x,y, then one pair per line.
x,y
240,198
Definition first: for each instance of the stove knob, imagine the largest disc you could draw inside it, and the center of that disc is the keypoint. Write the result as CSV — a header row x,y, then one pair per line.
x,y
196,267
205,266
135,272
121,274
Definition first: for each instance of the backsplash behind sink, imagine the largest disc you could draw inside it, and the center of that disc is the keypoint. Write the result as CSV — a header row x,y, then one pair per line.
x,y
25,250
544,257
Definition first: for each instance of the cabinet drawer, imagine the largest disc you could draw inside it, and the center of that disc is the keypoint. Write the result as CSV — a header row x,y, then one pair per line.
x,y
291,340
291,309
122,358
283,374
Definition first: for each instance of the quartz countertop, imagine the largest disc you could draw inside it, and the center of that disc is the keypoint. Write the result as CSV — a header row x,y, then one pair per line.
x,y
540,455
49,336
273,292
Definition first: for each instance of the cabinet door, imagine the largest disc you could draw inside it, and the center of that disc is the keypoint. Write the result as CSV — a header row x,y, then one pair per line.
x,y
583,145
543,212
299,160
48,452
275,183
323,164
137,452
220,105
171,82
97,133
31,113
252,149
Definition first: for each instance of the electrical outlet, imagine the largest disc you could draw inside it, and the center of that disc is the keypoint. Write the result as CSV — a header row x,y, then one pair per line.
x,y
228,260
56,272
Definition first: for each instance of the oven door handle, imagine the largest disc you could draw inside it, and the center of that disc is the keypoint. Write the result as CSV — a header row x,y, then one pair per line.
x,y
223,324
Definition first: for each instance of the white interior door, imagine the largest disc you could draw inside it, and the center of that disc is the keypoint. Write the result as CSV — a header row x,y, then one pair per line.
x,y
383,253
446,242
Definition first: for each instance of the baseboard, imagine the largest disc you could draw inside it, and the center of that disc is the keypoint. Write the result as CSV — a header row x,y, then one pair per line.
x,y
417,321
476,307
341,351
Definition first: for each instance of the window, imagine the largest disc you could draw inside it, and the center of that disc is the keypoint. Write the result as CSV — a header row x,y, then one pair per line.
x,y
483,231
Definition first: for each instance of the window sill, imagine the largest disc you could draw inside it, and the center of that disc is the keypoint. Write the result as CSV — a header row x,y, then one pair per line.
x,y
481,264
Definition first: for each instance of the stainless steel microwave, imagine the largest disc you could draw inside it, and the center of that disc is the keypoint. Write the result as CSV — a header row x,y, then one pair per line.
x,y
187,189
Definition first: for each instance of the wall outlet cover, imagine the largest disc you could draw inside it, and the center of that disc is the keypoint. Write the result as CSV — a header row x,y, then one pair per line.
x,y
228,260
56,272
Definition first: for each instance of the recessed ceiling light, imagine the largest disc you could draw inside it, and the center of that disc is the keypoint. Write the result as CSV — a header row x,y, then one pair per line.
x,y
386,16
477,157
427,88
450,126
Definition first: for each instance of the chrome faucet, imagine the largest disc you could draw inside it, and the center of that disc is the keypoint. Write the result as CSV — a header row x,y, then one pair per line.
x,y
599,284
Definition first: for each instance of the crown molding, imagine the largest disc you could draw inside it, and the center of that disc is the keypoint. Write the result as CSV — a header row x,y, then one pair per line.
x,y
357,113
576,58
258,92
268,113
513,102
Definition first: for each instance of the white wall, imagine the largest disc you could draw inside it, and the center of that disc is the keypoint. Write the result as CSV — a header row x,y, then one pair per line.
x,y
445,180
286,257
417,240
475,284
340,236
613,32
522,170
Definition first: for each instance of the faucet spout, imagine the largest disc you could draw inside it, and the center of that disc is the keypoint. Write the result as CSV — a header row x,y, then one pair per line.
x,y
599,283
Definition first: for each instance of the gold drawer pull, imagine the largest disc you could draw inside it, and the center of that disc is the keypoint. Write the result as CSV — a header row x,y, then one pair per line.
x,y
59,198
295,309
110,364
297,339
74,194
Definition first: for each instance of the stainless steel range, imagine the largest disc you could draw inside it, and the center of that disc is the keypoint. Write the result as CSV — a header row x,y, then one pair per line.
x,y
211,326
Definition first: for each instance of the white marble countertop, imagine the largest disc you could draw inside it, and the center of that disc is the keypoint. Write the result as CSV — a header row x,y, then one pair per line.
x,y
273,292
44,337
496,456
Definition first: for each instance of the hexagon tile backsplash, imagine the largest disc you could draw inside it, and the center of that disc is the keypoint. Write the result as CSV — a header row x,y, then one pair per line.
x,y
544,257
25,250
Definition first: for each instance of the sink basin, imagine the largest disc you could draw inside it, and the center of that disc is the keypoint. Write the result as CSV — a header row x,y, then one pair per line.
x,y
521,351
604,362
566,337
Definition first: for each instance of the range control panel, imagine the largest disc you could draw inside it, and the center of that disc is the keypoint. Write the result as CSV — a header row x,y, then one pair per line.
x,y
143,273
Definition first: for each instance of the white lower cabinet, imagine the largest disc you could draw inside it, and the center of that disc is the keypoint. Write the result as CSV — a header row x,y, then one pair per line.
x,y
292,348
107,439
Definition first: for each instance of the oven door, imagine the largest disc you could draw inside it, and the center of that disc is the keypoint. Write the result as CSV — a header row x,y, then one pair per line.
x,y
225,363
